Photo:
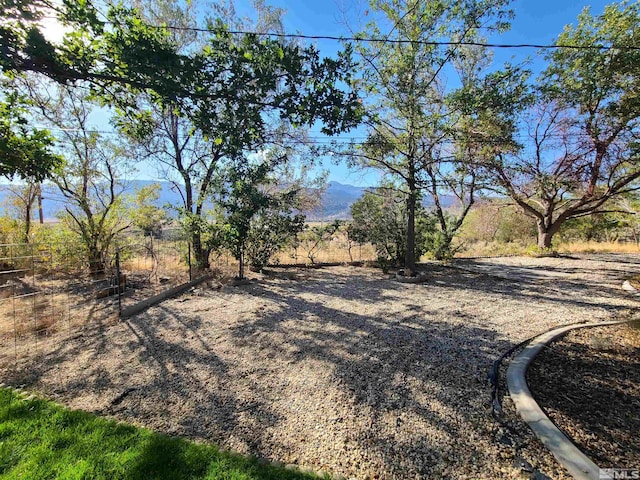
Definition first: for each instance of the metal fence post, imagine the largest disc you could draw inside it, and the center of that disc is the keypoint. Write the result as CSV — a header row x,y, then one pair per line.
x,y
35,296
15,321
189,261
118,282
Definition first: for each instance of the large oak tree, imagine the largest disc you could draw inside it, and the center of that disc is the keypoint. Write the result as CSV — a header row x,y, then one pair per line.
x,y
581,146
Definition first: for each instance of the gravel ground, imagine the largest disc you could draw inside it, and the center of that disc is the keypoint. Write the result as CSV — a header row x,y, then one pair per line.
x,y
340,370
589,384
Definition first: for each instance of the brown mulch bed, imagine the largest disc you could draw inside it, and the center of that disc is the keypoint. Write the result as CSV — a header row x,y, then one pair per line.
x,y
589,385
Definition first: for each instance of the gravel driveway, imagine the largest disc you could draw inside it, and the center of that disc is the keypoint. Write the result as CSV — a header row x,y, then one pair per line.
x,y
340,370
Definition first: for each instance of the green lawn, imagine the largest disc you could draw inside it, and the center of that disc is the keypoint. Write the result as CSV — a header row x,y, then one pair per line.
x,y
41,440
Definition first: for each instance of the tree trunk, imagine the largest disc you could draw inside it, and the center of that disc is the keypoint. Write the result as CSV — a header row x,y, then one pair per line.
x,y
96,263
410,253
545,235
241,264
443,252
40,212
200,254
27,223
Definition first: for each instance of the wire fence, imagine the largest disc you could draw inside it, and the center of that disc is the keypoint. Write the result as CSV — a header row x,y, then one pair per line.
x,y
310,249
49,291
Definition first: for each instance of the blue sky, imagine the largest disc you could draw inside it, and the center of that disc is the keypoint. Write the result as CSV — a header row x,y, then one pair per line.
x,y
535,22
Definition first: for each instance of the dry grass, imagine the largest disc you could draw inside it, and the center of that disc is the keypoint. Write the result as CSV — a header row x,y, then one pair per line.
x,y
598,247
492,249
496,249
335,251
47,310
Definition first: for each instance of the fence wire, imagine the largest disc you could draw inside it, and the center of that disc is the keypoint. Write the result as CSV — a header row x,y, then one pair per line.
x,y
49,291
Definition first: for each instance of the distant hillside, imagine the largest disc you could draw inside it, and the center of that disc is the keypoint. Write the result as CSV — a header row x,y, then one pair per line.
x,y
53,201
335,203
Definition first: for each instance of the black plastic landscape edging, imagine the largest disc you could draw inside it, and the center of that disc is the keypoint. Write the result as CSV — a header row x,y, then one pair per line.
x,y
156,299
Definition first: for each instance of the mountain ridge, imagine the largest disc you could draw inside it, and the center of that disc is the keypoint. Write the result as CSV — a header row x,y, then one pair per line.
x,y
335,203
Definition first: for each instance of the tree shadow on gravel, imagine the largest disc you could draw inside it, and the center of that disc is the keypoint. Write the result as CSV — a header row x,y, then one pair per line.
x,y
489,277
35,361
420,382
567,267
404,379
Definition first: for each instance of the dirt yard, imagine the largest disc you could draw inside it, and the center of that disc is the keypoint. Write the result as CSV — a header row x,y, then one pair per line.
x,y
341,370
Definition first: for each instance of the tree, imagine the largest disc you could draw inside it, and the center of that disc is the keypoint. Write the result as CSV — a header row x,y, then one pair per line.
x,y
91,181
226,91
24,198
485,109
112,55
270,232
410,124
249,89
317,236
380,218
583,131
247,206
497,220
145,214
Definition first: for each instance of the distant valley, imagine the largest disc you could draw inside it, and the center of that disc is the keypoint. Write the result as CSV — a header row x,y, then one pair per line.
x,y
335,203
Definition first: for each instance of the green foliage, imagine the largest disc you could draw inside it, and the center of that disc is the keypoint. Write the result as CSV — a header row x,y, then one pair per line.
x,y
201,105
64,251
10,230
496,220
210,235
599,84
380,217
243,199
583,147
130,56
43,440
271,232
412,122
25,152
438,241
91,180
68,253
255,211
145,214
599,227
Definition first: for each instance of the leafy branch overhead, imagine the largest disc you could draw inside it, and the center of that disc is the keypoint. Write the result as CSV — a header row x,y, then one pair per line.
x,y
238,76
26,152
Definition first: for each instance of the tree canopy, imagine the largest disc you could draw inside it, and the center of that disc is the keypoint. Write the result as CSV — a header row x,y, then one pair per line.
x,y
25,152
582,131
412,127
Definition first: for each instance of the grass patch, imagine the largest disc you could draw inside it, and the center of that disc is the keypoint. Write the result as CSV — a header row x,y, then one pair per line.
x,y
39,439
599,247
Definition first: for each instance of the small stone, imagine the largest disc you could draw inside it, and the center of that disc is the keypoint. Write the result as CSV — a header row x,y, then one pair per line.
x,y
523,465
